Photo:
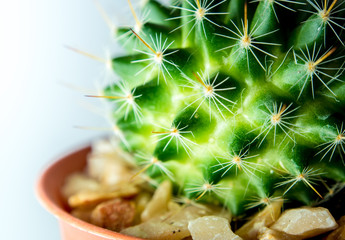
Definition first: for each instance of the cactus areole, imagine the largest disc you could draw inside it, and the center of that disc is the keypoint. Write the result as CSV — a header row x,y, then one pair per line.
x,y
237,102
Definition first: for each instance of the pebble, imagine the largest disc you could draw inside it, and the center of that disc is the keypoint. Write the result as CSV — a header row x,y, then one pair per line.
x,y
159,202
263,219
173,225
305,222
115,214
269,234
339,233
211,228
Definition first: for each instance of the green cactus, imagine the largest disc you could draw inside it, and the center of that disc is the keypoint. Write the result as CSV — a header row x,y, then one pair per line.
x,y
238,103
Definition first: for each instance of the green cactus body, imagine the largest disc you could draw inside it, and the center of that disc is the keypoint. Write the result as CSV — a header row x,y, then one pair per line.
x,y
237,103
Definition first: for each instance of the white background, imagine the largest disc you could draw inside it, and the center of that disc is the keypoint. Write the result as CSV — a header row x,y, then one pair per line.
x,y
38,110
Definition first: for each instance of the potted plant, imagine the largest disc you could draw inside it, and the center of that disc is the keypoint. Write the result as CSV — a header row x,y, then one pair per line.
x,y
238,104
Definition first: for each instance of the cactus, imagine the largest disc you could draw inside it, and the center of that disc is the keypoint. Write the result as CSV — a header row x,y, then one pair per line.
x,y
238,102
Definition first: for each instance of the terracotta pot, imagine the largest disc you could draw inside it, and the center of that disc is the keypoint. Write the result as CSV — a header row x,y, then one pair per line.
x,y
48,192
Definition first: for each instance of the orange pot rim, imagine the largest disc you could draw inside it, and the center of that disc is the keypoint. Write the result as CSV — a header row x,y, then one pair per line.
x,y
61,214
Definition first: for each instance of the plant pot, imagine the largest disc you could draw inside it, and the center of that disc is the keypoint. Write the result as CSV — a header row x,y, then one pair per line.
x,y
52,179
49,194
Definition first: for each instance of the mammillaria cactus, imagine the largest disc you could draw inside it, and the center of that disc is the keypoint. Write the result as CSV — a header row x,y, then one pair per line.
x,y
237,102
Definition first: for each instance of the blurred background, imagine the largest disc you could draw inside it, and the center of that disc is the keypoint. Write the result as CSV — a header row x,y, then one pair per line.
x,y
42,98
